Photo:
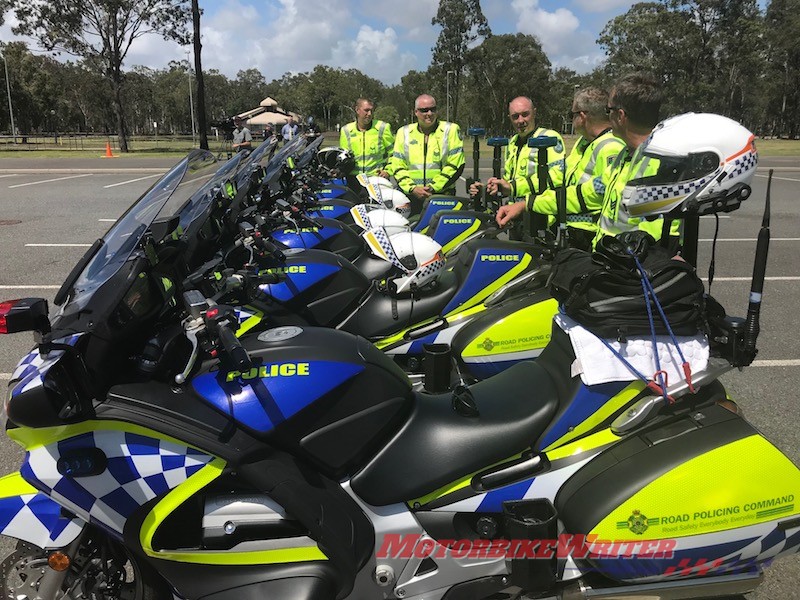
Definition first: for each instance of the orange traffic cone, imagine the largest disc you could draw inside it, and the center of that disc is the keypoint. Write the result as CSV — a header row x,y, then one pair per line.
x,y
108,151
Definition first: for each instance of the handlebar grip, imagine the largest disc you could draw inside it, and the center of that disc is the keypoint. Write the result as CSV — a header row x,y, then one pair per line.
x,y
270,248
234,349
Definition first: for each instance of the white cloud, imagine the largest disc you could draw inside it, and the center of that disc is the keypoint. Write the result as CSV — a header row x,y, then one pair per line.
x,y
410,14
598,6
376,53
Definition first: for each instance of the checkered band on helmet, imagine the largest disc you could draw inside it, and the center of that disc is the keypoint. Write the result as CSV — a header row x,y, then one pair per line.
x,y
432,267
743,163
386,245
678,190
363,214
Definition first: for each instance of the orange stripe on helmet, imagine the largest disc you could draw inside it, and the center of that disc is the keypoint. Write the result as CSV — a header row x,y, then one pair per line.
x,y
750,146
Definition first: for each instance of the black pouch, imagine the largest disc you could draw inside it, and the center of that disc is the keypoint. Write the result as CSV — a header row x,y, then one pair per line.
x,y
603,291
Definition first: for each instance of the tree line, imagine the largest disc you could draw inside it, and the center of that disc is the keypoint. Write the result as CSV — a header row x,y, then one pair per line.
x,y
726,56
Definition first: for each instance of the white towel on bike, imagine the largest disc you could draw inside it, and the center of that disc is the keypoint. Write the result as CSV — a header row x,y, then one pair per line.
x,y
596,364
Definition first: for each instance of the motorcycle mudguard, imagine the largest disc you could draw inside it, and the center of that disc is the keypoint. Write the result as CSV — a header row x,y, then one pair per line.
x,y
433,206
28,515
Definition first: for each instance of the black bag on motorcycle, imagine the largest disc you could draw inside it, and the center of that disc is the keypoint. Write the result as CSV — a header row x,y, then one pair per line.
x,y
603,290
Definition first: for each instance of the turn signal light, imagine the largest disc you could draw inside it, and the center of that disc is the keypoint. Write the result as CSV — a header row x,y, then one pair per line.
x,y
58,561
5,308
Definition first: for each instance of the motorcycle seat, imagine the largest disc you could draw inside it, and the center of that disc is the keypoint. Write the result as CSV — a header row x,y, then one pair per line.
x,y
437,445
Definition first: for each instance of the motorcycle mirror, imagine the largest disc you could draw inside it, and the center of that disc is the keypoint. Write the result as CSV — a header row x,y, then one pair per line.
x,y
542,141
25,314
498,141
163,226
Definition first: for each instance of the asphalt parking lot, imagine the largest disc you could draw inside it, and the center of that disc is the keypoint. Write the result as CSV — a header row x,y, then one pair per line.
x,y
51,210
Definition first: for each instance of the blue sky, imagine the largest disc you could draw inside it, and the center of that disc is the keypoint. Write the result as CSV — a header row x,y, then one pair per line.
x,y
383,38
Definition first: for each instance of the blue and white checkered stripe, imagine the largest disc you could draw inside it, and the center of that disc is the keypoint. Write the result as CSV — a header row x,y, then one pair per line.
x,y
665,192
743,163
37,519
140,468
34,366
386,245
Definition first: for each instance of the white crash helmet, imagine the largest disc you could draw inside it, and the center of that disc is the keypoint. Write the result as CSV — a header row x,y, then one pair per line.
x,y
418,258
390,198
368,217
690,159
365,180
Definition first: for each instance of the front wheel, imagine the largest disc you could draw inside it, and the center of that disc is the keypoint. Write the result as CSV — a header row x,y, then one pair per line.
x,y
100,570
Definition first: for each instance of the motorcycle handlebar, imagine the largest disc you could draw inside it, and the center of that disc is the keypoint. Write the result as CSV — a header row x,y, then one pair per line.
x,y
233,348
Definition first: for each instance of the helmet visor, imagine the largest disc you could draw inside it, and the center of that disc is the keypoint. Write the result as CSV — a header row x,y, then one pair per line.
x,y
651,170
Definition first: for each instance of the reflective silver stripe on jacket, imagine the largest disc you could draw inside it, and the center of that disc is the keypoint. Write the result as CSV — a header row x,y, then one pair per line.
x,y
347,137
406,149
446,142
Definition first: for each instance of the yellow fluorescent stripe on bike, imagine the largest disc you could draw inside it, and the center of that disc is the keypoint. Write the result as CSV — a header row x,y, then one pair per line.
x,y
594,442
604,412
169,503
256,316
14,485
746,482
526,329
494,286
33,438
463,236
453,319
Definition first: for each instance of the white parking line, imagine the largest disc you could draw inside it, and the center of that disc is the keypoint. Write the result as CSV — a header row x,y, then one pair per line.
x,y
131,181
107,220
777,278
49,180
749,239
57,245
780,178
9,175
30,287
776,363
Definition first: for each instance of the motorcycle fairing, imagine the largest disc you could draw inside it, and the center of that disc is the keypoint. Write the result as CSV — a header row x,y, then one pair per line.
x,y
27,514
400,343
297,282
140,466
433,206
487,275
305,237
290,552
451,228
267,395
31,369
520,335
248,317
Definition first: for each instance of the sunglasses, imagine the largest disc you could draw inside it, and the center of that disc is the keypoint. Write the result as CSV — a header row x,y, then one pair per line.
x,y
427,109
612,108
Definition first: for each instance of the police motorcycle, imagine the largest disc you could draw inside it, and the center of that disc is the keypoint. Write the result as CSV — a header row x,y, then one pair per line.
x,y
300,465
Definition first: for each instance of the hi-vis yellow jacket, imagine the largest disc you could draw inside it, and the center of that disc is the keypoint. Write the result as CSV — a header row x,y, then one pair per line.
x,y
372,148
584,183
520,167
437,162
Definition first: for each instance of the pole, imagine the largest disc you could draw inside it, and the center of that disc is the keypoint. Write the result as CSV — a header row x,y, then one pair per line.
x,y
191,102
447,86
10,108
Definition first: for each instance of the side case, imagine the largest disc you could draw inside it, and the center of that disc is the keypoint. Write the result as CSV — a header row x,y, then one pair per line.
x,y
699,494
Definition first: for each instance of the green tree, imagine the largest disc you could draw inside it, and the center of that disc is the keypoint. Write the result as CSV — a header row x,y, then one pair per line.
x,y
389,114
782,27
500,69
463,25
101,31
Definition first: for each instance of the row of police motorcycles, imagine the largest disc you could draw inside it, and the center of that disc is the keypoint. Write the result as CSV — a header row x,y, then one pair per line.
x,y
269,381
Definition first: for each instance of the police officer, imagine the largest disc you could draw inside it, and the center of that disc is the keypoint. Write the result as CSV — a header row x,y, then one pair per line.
x,y
369,140
428,156
593,153
520,175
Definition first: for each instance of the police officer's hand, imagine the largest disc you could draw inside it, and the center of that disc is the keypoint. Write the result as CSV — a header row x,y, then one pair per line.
x,y
496,185
509,211
475,189
384,173
421,192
